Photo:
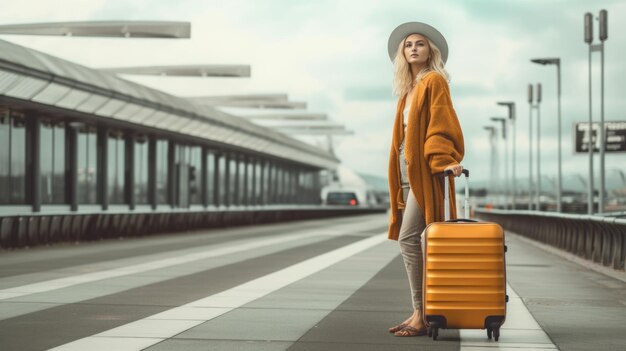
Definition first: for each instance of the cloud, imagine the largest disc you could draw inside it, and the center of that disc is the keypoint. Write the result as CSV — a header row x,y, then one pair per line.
x,y
332,54
27,11
360,93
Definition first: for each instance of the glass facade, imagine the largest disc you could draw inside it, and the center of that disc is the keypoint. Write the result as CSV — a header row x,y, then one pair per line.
x,y
266,180
52,156
274,186
101,176
250,180
294,186
288,185
195,175
242,181
181,164
12,158
161,171
117,160
87,166
5,158
305,185
221,187
257,180
141,170
210,176
232,180
280,183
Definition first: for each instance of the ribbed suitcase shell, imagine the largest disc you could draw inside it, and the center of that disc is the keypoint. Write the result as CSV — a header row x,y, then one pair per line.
x,y
464,273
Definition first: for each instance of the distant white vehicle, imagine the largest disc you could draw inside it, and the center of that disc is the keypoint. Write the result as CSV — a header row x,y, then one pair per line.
x,y
349,189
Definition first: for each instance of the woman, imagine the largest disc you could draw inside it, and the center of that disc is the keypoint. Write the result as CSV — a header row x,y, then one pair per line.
x,y
427,140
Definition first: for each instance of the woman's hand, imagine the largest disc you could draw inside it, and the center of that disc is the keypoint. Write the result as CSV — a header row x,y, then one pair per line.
x,y
456,169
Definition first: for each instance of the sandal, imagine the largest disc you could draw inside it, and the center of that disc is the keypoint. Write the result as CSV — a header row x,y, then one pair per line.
x,y
411,331
398,327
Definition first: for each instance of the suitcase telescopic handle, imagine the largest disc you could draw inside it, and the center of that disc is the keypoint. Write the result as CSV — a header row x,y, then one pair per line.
x,y
449,172
446,195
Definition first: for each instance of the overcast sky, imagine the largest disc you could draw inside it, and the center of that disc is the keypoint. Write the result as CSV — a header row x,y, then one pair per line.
x,y
332,54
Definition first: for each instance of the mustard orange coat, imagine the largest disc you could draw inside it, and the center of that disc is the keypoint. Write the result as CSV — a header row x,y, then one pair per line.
x,y
434,141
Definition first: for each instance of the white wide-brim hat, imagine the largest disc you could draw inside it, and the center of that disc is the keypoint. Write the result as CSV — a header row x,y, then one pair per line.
x,y
404,30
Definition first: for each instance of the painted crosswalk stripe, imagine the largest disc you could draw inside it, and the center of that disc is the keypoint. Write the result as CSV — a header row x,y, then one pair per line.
x,y
156,328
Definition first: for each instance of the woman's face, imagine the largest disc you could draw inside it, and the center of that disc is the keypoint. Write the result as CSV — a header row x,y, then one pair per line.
x,y
416,50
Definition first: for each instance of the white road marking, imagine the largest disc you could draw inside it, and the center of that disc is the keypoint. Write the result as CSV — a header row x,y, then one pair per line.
x,y
520,331
235,247
161,326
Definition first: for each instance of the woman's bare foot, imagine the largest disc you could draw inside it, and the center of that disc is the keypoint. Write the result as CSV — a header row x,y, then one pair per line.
x,y
414,326
415,321
401,325
411,331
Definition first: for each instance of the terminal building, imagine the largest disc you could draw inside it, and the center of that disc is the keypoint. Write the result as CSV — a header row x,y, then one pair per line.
x,y
76,141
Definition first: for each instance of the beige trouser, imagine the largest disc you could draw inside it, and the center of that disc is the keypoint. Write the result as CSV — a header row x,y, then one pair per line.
x,y
410,235
410,245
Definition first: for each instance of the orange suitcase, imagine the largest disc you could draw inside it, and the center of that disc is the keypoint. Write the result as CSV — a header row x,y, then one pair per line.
x,y
464,285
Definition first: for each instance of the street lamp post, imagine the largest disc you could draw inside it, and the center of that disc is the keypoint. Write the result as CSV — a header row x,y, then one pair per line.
x,y
531,107
530,147
556,61
539,146
506,155
589,40
603,34
511,107
492,134
603,18
496,160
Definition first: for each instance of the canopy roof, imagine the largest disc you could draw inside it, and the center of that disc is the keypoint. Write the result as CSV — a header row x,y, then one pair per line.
x,y
31,75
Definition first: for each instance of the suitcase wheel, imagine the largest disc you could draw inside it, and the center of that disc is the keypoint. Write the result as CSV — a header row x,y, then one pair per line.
x,y
493,332
430,332
435,333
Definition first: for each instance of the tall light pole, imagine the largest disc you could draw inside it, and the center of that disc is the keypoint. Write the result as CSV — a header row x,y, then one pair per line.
x,y
588,40
530,147
603,19
531,107
511,107
603,34
539,147
492,135
506,163
496,160
559,187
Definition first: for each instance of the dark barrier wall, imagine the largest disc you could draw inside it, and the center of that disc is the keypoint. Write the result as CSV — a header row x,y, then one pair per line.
x,y
29,231
595,238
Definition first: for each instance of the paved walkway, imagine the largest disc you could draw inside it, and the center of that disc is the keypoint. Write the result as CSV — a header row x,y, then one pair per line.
x,y
332,284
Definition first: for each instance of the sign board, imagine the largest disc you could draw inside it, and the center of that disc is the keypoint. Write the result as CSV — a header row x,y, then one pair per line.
x,y
615,136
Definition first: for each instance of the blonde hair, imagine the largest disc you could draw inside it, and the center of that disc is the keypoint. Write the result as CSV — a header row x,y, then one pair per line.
x,y
402,79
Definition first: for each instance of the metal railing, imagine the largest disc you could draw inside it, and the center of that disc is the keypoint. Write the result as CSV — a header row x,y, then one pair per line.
x,y
596,238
